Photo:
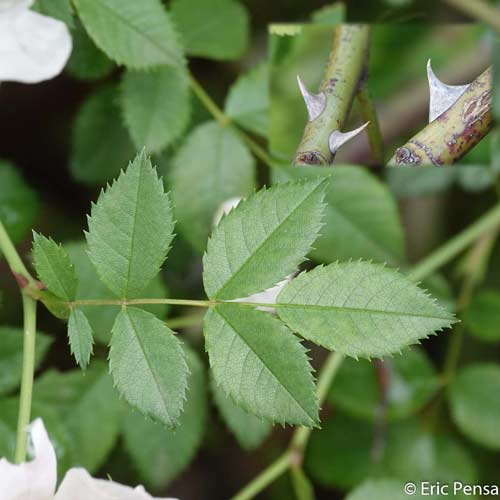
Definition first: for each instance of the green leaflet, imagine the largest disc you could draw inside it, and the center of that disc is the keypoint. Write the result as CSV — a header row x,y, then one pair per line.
x,y
412,382
87,62
263,239
18,202
247,102
130,229
248,429
155,106
157,386
217,29
54,267
212,165
11,356
474,405
100,142
88,406
80,337
136,34
361,216
260,364
101,319
161,454
360,309
482,316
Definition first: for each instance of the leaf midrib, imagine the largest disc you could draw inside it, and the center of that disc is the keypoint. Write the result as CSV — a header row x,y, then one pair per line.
x,y
263,364
262,243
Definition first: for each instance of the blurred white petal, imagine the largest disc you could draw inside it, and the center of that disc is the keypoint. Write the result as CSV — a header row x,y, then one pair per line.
x,y
225,208
79,485
34,480
268,296
33,47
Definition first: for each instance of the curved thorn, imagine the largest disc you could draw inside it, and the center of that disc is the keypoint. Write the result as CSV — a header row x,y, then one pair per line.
x,y
315,103
337,139
442,96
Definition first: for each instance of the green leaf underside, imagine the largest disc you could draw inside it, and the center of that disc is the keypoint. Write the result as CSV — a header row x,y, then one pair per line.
x,y
88,405
248,101
212,165
260,364
160,454
130,229
80,337
101,145
263,239
360,309
11,356
148,365
136,34
155,106
101,319
217,29
474,404
412,382
248,429
54,267
361,216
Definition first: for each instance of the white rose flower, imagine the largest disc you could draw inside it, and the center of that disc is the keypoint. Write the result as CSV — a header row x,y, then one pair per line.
x,y
33,47
36,479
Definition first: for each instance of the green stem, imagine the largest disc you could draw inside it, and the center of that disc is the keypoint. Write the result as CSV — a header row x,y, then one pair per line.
x,y
29,307
480,10
132,302
456,245
15,263
344,72
455,132
265,478
369,114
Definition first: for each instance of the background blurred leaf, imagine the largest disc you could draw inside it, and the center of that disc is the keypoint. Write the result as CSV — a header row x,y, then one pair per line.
x,y
155,106
136,34
18,202
384,489
101,146
482,316
212,165
412,382
247,102
58,9
160,454
474,406
217,29
248,429
11,356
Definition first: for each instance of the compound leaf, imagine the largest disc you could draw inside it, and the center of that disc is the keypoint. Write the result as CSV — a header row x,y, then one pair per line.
x,y
217,29
155,106
260,364
360,309
136,34
130,229
263,239
160,454
148,365
80,337
212,165
247,102
54,267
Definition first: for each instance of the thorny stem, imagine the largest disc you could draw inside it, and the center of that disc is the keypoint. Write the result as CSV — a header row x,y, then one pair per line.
x,y
480,10
450,136
343,74
369,114
26,282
